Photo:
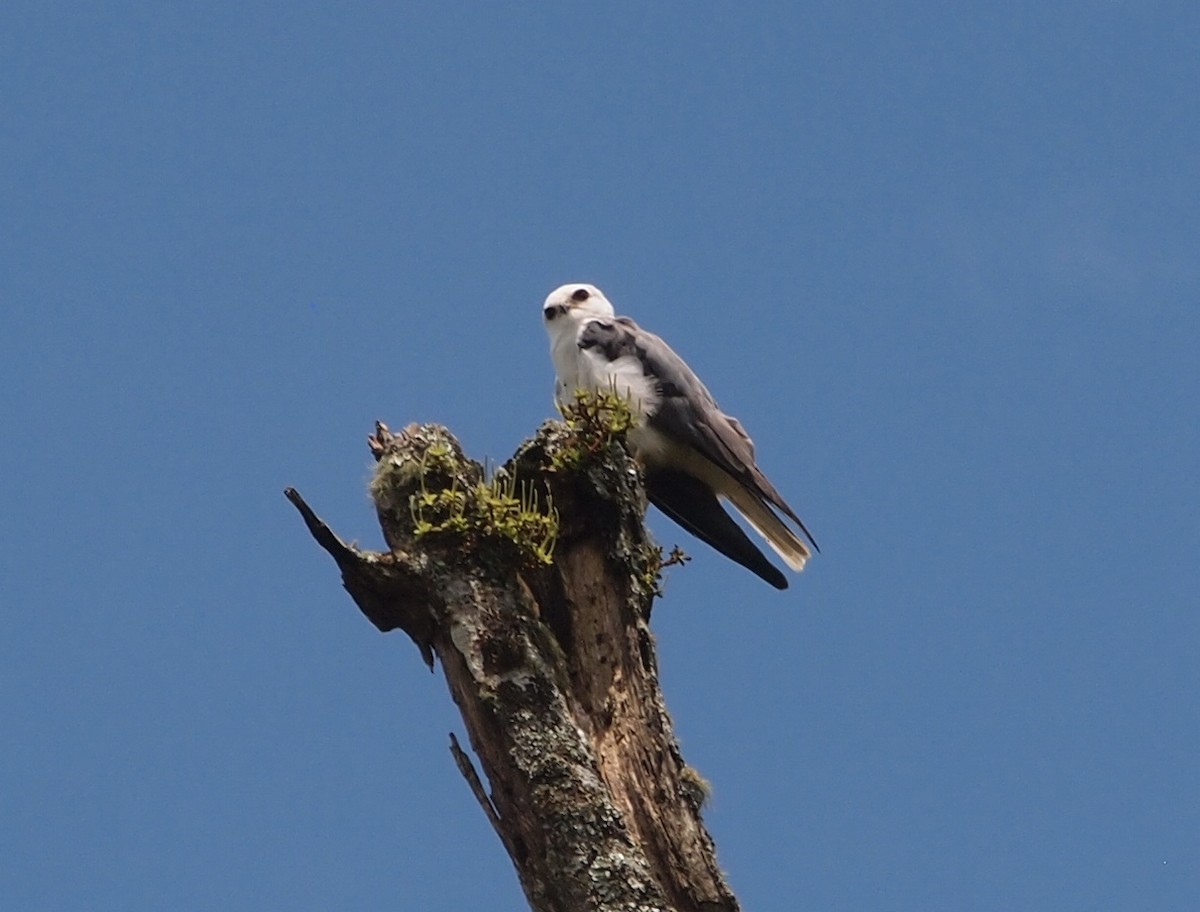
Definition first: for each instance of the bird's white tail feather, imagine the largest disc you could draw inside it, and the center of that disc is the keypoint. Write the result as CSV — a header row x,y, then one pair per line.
x,y
786,543
657,449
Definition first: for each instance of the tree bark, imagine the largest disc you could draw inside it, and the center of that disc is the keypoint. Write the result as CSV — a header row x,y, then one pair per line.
x,y
546,648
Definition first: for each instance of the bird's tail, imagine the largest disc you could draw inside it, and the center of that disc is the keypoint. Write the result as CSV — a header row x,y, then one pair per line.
x,y
693,505
786,543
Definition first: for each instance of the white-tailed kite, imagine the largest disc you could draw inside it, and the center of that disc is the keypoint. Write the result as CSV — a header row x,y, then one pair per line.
x,y
692,453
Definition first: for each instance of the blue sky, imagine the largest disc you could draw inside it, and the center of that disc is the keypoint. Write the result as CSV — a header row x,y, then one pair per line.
x,y
940,259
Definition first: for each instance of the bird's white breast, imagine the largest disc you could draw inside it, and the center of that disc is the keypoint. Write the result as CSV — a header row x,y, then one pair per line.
x,y
588,369
564,352
624,376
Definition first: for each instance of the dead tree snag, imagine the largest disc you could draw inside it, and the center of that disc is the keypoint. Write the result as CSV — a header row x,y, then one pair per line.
x,y
533,590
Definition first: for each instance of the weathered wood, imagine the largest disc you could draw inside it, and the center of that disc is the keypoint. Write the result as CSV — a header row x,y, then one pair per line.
x,y
552,664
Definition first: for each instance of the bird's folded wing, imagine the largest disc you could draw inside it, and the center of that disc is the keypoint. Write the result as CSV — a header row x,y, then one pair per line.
x,y
688,413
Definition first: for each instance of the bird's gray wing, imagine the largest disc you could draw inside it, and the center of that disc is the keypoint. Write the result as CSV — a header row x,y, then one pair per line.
x,y
692,504
687,411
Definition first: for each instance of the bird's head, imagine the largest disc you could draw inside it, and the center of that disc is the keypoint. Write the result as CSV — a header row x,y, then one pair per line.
x,y
569,305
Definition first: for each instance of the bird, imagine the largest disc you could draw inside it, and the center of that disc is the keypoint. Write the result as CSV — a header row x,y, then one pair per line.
x,y
692,454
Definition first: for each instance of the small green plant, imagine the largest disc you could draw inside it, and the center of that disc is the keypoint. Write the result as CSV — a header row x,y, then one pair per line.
x,y
652,562
497,511
596,420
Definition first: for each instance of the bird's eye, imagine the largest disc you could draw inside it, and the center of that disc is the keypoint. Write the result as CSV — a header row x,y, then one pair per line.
x,y
552,312
580,294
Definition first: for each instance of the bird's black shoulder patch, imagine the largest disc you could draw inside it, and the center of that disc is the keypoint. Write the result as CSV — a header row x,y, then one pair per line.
x,y
611,338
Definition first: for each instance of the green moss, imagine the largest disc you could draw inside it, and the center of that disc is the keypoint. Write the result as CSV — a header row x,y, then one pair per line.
x,y
428,488
595,421
501,512
426,458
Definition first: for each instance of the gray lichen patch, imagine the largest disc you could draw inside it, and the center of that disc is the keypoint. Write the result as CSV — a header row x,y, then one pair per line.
x,y
422,456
